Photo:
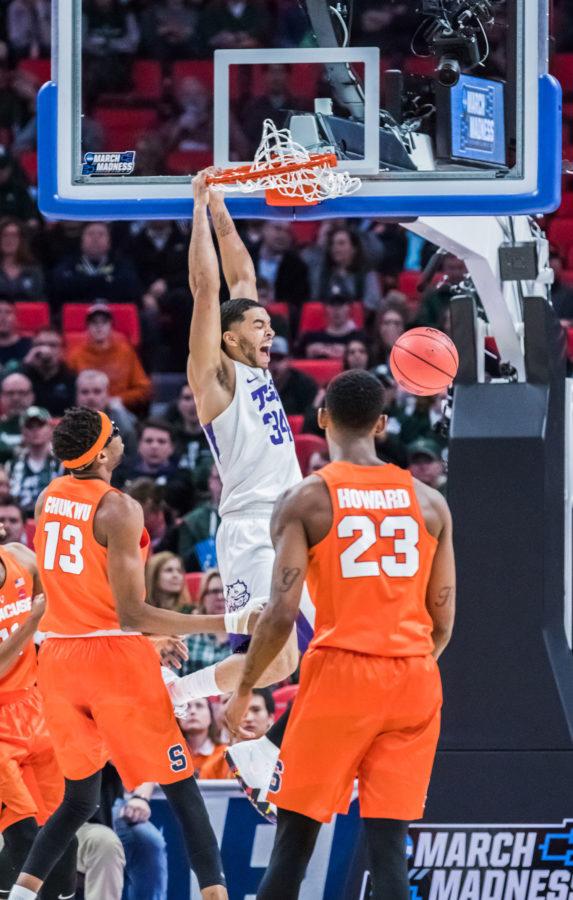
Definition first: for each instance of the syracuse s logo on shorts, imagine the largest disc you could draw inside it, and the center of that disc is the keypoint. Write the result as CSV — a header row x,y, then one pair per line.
x,y
236,596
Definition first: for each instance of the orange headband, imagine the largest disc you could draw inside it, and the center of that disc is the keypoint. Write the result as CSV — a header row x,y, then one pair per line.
x,y
97,446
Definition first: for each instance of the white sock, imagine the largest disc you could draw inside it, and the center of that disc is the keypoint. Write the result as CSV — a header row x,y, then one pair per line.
x,y
192,687
21,893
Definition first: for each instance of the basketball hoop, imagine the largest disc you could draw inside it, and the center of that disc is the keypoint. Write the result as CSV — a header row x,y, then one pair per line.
x,y
287,172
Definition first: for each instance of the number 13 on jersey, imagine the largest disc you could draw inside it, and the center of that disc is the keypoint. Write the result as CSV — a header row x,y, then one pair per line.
x,y
403,562
70,561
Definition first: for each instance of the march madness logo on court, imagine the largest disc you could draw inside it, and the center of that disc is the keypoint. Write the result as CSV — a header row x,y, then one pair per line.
x,y
236,596
109,163
490,862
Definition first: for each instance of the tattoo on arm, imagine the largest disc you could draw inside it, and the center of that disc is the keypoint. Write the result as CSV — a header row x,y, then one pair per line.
x,y
223,224
287,578
445,596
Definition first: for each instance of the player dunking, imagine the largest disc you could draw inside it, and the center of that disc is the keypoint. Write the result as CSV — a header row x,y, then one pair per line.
x,y
103,692
376,549
31,784
251,441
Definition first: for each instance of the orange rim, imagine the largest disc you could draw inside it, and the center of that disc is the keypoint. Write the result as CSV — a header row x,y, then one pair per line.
x,y
245,173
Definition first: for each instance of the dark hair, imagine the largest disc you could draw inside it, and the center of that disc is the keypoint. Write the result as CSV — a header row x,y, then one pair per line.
x,y
268,698
395,302
356,340
159,424
355,400
234,311
357,263
76,432
24,256
11,501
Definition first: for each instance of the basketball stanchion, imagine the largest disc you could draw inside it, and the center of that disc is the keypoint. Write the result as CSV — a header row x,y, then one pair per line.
x,y
288,173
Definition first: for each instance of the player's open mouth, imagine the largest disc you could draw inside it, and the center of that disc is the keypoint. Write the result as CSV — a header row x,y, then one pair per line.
x,y
266,351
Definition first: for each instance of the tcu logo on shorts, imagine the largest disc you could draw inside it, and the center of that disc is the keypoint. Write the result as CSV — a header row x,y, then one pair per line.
x,y
276,780
236,596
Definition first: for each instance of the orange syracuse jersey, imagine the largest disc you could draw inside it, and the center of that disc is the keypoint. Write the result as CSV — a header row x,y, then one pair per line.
x,y
368,576
72,564
15,607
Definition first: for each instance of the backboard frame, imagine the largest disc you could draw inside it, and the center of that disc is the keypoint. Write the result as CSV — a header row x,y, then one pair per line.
x,y
62,196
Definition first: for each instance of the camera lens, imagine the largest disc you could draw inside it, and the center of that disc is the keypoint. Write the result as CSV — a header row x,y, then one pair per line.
x,y
448,71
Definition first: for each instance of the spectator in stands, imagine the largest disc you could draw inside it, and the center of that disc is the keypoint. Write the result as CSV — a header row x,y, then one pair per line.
x,y
280,265
391,321
20,276
561,294
53,382
150,154
316,461
385,245
228,25
13,347
28,28
191,443
356,355
426,464
15,199
157,516
110,352
339,331
16,395
201,734
207,649
158,249
297,389
165,583
18,90
436,300
273,103
95,272
198,529
257,720
4,484
168,30
419,419
156,460
34,465
92,390
11,520
190,120
342,271
144,845
110,41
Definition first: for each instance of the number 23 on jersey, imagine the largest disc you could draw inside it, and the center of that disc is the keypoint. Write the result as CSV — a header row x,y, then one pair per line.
x,y
402,562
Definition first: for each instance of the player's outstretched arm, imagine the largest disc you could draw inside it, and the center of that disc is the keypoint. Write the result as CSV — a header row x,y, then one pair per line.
x,y
441,591
207,369
276,622
119,523
238,266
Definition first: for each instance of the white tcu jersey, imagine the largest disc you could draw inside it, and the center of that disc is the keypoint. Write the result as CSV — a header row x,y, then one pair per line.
x,y
253,445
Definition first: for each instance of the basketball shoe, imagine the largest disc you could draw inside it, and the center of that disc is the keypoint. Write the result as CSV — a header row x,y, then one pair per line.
x,y
253,764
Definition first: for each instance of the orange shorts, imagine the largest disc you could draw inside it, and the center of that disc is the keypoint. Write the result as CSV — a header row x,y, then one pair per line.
x,y
375,718
105,699
31,783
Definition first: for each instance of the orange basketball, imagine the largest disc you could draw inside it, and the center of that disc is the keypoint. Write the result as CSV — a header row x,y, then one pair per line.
x,y
424,361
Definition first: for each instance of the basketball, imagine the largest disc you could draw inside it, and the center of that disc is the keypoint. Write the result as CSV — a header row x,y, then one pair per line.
x,y
424,361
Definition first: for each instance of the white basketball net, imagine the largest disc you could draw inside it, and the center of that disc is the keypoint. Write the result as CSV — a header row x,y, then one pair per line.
x,y
314,184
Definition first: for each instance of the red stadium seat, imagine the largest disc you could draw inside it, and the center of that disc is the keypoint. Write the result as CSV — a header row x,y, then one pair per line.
x,y
322,370
566,207
125,319
32,315
305,445
296,423
193,582
197,68
570,343
303,80
313,316
304,232
188,162
30,531
567,276
39,68
279,309
147,79
124,125
570,258
282,697
561,66
29,162
408,283
419,65
560,233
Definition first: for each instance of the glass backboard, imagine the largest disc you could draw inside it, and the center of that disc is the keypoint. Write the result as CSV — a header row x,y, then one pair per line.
x,y
443,107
